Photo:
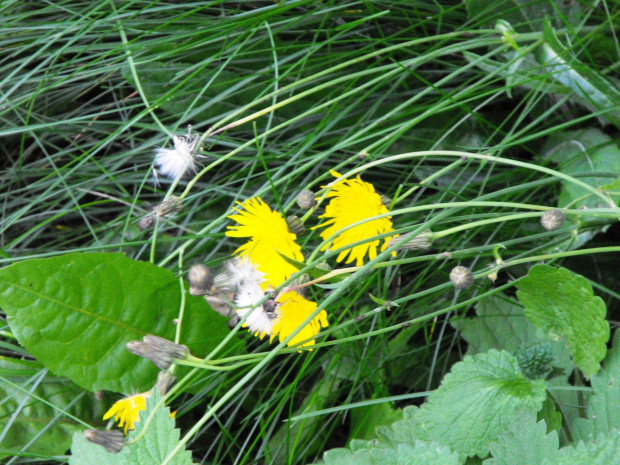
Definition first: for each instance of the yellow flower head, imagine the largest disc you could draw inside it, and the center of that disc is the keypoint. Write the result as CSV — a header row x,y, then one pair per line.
x,y
292,311
354,200
127,410
269,234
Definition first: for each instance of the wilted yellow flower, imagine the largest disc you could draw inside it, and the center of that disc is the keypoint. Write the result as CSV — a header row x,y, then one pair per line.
x,y
127,411
354,200
269,234
292,311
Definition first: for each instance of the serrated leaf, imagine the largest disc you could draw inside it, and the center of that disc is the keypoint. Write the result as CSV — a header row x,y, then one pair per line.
x,y
402,431
604,405
365,420
563,304
476,401
595,91
403,454
524,442
604,451
581,153
29,415
159,440
76,312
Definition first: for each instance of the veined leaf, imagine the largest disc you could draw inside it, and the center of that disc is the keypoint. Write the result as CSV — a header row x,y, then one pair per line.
x,y
403,454
605,450
564,305
477,401
76,312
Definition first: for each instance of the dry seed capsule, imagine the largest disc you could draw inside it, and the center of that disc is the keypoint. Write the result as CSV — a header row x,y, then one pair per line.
x,y
461,277
295,225
158,350
422,241
200,280
112,441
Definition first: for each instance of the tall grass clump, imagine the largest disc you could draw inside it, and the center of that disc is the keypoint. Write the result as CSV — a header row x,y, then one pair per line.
x,y
309,232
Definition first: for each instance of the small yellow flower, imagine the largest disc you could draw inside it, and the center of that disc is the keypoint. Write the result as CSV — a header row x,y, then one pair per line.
x,y
354,200
269,234
127,410
292,311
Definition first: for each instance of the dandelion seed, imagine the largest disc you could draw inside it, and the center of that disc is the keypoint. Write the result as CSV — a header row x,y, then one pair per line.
x,y
354,200
174,163
127,411
269,236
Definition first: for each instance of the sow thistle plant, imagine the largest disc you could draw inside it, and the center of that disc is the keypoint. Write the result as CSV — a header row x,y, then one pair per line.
x,y
368,247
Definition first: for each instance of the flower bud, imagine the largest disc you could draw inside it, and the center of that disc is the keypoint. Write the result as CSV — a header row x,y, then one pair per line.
x,y
295,225
112,441
422,241
223,284
461,277
158,350
552,220
169,206
200,280
535,360
306,200
146,222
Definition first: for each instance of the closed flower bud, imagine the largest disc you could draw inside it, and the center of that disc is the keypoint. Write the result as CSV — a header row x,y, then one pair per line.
x,y
306,200
422,241
295,225
146,222
200,280
112,441
169,206
158,350
552,220
386,201
535,361
461,277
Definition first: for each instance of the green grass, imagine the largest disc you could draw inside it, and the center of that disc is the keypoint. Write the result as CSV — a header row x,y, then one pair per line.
x,y
88,90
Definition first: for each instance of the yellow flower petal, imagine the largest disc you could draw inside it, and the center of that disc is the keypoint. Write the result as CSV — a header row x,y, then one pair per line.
x,y
127,411
353,200
269,236
293,310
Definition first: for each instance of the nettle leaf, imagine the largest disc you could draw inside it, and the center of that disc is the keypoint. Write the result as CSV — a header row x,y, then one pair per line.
x,y
594,90
402,431
563,304
585,152
421,453
477,401
158,442
524,442
75,313
366,420
40,407
604,451
603,406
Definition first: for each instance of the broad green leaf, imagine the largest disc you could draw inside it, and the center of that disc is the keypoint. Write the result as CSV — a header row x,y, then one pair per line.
x,y
550,415
477,401
584,152
365,420
594,90
563,304
160,439
402,431
605,450
33,409
526,15
500,324
604,405
76,312
403,454
524,442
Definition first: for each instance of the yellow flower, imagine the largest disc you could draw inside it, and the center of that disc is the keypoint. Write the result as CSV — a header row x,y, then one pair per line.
x,y
269,234
127,410
354,200
292,311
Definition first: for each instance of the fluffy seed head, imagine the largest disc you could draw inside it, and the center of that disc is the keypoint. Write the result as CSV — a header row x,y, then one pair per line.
x,y
552,220
461,277
174,163
169,206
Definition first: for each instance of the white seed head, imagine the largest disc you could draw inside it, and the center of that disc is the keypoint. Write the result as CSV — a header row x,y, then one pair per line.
x,y
461,277
552,220
174,163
